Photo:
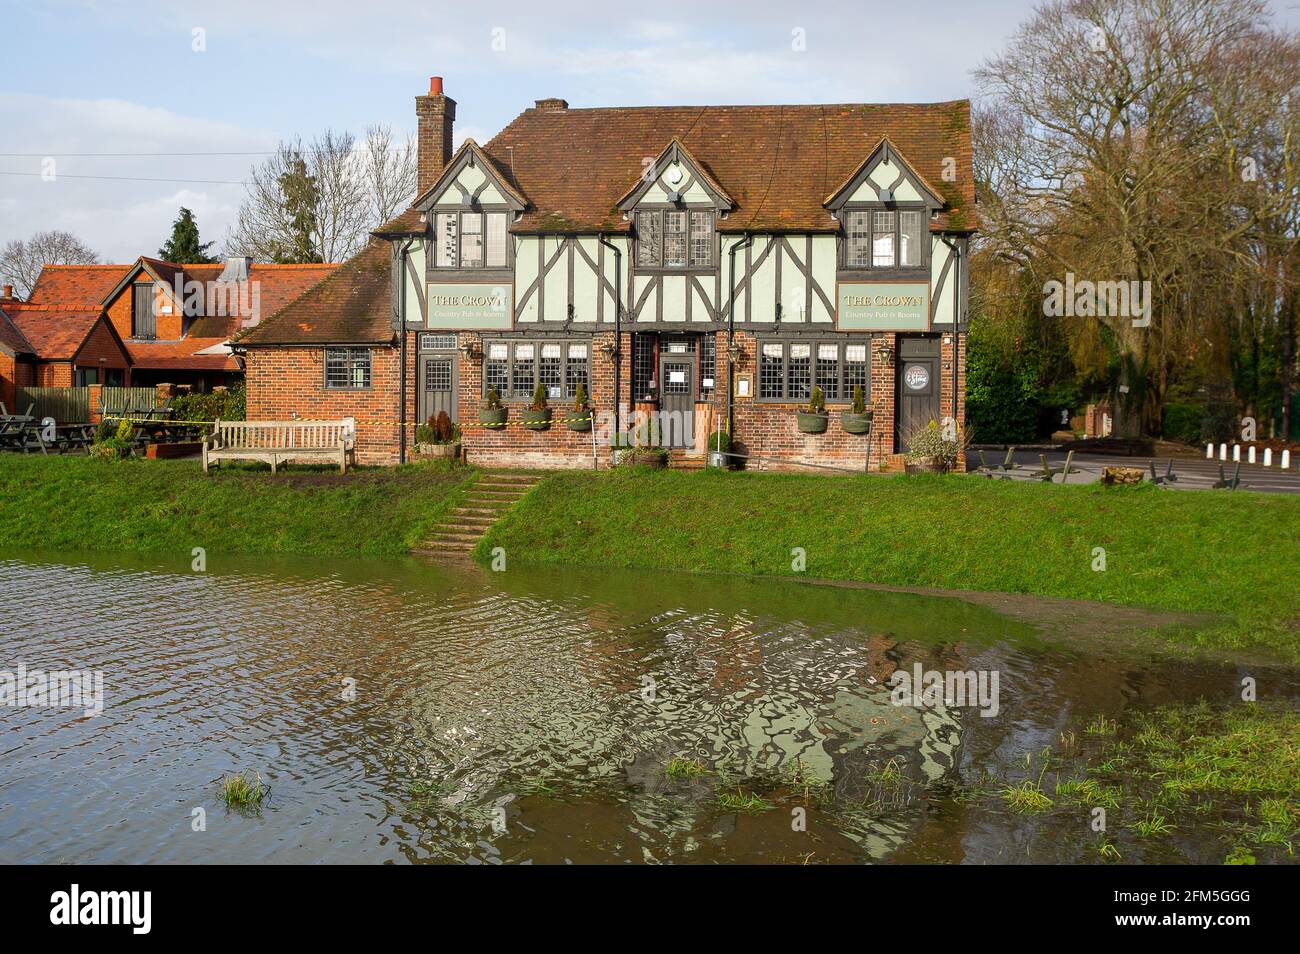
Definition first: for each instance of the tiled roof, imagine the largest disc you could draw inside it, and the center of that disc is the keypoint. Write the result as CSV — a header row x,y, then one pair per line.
x,y
778,163
10,337
55,333
351,306
167,355
75,285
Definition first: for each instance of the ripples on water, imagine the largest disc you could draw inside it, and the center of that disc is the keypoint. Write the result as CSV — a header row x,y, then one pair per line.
x,y
526,692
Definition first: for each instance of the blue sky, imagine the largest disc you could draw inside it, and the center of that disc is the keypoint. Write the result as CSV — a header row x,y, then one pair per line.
x,y
96,77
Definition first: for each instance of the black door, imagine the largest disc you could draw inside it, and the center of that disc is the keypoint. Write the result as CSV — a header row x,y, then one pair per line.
x,y
676,399
917,367
437,386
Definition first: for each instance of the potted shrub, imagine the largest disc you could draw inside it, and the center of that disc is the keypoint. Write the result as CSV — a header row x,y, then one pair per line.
x,y
579,419
930,451
857,420
438,438
492,415
815,419
537,416
719,447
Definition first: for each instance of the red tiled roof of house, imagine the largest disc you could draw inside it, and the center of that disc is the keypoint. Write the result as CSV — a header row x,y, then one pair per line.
x,y
54,333
75,285
168,355
778,163
10,337
351,306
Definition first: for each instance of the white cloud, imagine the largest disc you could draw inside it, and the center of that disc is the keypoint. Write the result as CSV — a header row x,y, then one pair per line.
x,y
119,217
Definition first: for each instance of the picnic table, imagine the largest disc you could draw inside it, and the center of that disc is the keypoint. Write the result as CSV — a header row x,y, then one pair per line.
x,y
29,435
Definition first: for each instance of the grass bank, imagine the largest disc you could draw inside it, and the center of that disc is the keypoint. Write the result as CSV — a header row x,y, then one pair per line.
x,y
1237,555
78,503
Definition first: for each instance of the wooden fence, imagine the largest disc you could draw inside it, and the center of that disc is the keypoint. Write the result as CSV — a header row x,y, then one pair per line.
x,y
65,405
129,400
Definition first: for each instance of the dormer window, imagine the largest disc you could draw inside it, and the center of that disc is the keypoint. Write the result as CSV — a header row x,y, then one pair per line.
x,y
471,239
877,238
668,238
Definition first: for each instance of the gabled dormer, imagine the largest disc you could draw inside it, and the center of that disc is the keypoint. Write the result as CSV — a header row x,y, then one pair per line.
x,y
144,306
884,208
469,210
674,209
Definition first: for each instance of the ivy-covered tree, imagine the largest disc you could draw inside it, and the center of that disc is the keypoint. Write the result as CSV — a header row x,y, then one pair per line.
x,y
184,247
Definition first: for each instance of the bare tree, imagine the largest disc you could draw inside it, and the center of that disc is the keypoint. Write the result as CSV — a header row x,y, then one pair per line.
x,y
320,201
1127,141
21,262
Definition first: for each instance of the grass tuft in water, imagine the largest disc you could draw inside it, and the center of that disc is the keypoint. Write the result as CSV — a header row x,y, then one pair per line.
x,y
536,785
1102,726
681,767
1153,824
243,791
739,800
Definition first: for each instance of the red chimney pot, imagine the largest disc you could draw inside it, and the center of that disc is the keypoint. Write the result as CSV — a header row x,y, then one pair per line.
x,y
435,85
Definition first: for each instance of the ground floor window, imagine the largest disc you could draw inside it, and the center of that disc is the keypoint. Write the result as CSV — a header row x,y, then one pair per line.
x,y
789,369
347,368
514,368
87,376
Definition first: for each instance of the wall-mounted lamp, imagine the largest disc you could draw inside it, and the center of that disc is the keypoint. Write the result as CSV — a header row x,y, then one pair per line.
x,y
887,353
607,349
471,353
734,354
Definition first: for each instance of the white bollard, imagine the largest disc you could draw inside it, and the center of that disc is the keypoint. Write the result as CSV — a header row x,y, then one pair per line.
x,y
1286,460
1209,451
1223,452
1250,454
1268,457
1236,453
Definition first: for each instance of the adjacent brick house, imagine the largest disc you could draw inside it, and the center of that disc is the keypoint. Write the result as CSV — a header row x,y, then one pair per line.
x,y
172,322
691,267
50,346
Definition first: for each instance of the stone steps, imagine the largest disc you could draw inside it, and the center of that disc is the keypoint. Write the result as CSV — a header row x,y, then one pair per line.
x,y
486,502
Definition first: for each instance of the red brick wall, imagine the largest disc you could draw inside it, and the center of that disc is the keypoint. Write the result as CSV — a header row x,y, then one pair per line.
x,y
167,327
283,382
100,343
54,374
7,383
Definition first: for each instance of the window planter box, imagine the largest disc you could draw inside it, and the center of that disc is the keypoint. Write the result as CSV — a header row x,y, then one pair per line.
x,y
855,423
537,420
493,417
443,451
812,423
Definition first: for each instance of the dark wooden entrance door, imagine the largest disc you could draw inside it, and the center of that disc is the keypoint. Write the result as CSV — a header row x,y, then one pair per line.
x,y
676,398
437,385
917,367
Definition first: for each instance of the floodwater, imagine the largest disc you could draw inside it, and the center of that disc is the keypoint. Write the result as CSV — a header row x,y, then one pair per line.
x,y
407,711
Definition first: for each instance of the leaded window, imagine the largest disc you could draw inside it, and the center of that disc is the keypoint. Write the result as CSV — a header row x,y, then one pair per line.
x,y
857,238
909,237
471,240
347,368
788,370
882,239
514,367
708,365
674,239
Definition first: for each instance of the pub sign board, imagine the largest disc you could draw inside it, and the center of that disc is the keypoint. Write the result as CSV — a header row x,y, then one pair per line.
x,y
882,306
471,306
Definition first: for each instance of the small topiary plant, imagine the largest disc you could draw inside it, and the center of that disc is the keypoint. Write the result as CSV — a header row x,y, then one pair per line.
x,y
493,401
859,401
539,398
580,397
816,403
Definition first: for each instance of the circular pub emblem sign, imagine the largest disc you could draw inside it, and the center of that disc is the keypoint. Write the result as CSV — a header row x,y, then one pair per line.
x,y
917,376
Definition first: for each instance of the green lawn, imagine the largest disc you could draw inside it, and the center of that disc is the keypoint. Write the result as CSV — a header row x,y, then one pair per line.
x,y
1235,554
79,503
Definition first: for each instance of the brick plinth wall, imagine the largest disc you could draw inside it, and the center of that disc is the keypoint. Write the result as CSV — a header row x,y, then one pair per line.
x,y
285,381
288,382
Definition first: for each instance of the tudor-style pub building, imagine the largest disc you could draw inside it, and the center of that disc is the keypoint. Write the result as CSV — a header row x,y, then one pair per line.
x,y
687,264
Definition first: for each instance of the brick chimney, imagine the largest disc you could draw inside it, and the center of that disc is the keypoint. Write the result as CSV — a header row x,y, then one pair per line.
x,y
8,292
434,114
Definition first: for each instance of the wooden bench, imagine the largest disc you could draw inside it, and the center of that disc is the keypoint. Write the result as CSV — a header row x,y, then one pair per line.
x,y
278,442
